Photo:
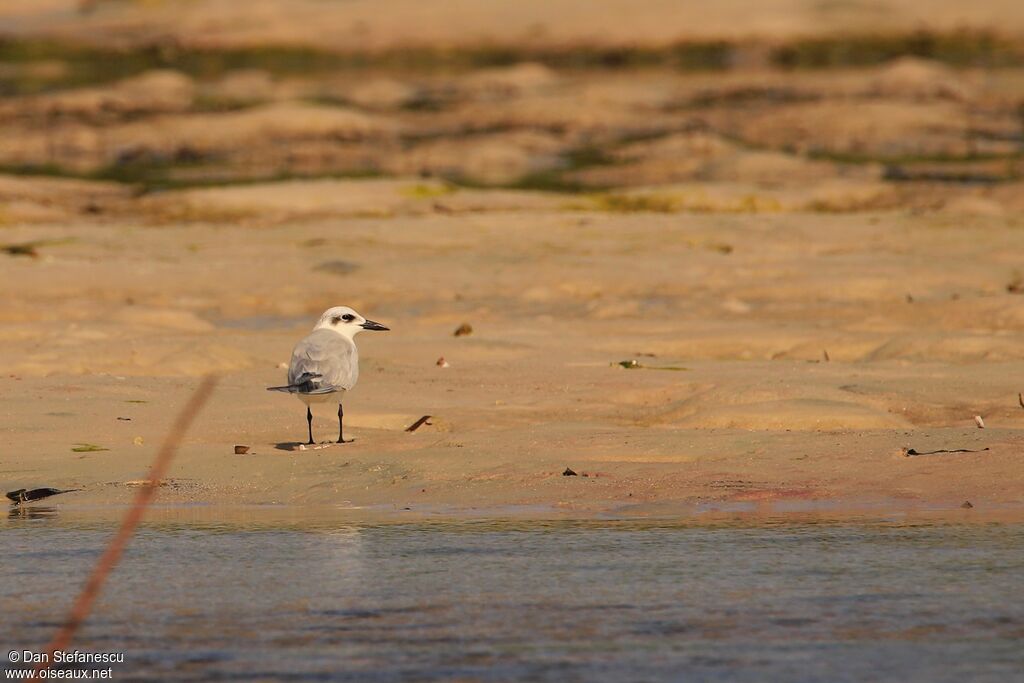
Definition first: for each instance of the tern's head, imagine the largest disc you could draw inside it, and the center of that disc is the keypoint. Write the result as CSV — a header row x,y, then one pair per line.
x,y
345,321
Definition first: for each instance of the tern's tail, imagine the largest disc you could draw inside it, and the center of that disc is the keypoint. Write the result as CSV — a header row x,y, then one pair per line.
x,y
302,385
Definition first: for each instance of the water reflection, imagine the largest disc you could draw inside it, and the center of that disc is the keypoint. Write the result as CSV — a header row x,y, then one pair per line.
x,y
31,512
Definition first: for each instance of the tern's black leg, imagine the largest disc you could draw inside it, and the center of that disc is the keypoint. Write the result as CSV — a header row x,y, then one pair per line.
x,y
341,427
309,420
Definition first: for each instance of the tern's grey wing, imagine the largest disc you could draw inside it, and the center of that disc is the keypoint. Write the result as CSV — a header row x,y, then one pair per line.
x,y
327,354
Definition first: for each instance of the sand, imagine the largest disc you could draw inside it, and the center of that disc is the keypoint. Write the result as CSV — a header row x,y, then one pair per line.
x,y
751,288
375,25
729,317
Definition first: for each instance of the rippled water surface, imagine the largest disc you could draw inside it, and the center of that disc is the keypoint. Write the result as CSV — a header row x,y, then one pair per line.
x,y
701,600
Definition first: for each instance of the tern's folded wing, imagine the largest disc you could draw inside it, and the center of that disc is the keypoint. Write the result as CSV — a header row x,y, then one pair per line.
x,y
329,355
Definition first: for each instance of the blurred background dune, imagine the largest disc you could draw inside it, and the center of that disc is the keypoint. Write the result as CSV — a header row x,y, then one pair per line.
x,y
388,24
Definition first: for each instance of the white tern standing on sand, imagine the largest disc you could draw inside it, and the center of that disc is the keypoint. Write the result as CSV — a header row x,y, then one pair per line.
x,y
326,363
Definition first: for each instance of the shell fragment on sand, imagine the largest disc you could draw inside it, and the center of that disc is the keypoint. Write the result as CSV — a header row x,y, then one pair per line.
x,y
313,447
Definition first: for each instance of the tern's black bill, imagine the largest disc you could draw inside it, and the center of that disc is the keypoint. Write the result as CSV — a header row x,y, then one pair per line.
x,y
377,327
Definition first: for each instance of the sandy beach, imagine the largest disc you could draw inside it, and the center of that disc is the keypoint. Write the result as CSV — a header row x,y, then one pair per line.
x,y
748,287
794,365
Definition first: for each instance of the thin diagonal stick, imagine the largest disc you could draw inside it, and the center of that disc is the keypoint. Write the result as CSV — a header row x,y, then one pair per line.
x,y
107,562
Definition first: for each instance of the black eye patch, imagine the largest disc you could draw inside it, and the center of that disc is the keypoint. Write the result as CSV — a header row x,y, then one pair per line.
x,y
335,320
348,317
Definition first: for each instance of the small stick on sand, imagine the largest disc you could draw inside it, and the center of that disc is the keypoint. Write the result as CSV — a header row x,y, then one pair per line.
x,y
418,423
1020,399
26,496
910,451
978,421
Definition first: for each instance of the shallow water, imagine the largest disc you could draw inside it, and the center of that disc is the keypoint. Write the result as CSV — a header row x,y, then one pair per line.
x,y
735,599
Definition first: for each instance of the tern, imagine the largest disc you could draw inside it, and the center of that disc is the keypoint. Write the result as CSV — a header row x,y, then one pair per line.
x,y
325,364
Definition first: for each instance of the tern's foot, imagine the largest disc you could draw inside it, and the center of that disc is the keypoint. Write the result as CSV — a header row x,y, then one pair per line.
x,y
341,441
